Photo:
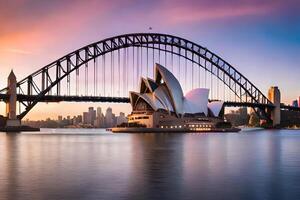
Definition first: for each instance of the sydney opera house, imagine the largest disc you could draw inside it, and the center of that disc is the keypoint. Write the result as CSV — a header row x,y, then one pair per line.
x,y
160,105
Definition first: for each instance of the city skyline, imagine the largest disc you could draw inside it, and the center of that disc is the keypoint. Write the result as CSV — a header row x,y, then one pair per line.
x,y
90,118
252,35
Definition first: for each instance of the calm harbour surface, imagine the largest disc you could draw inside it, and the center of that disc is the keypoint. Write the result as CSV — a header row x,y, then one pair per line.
x,y
95,164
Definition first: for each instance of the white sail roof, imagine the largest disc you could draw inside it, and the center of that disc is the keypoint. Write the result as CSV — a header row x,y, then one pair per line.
x,y
215,107
166,93
173,86
161,93
196,100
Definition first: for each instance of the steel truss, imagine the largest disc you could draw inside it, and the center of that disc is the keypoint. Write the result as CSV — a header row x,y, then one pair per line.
x,y
41,82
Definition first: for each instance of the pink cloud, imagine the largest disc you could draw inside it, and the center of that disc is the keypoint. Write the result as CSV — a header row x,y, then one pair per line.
x,y
189,13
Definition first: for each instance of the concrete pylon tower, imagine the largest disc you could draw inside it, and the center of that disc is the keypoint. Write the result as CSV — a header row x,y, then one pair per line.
x,y
11,104
274,97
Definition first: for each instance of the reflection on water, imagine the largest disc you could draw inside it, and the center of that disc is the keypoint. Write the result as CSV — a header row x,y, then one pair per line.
x,y
94,164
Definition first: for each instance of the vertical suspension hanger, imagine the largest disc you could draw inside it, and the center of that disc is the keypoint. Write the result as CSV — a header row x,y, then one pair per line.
x,y
103,65
127,69
185,74
179,61
205,71
137,64
133,68
159,52
95,82
172,62
166,55
199,72
119,69
112,73
211,80
86,75
147,59
141,60
153,60
192,70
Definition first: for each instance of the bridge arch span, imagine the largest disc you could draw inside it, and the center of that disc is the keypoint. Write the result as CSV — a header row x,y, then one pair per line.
x,y
245,90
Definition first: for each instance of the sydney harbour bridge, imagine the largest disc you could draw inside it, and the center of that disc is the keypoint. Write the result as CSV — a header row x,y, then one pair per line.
x,y
105,71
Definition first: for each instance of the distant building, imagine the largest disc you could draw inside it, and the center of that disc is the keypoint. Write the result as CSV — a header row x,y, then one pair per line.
x,y
299,102
99,122
99,111
79,119
59,118
114,120
121,118
92,114
239,117
295,103
109,118
87,118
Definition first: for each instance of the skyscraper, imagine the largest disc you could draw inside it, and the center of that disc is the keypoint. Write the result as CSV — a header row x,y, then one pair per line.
x,y
87,118
92,114
99,111
99,121
121,118
295,103
108,117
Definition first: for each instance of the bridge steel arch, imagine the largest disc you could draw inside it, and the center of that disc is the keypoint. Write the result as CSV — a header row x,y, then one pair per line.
x,y
245,90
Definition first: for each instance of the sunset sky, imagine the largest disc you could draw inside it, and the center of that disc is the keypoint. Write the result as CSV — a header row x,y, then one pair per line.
x,y
261,38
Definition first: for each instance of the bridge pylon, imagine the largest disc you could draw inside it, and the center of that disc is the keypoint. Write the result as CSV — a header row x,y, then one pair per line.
x,y
275,98
11,104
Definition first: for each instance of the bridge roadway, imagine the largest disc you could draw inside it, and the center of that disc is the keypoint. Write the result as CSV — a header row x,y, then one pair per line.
x,y
54,98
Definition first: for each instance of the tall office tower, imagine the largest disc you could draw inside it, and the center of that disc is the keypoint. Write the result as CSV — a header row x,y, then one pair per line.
x,y
92,114
295,103
87,119
108,117
99,111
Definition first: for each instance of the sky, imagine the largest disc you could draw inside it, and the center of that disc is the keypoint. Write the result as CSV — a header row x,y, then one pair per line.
x,y
260,38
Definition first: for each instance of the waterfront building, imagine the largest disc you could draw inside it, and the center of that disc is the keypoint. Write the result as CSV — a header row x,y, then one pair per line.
x,y
77,120
92,114
99,122
109,121
121,118
295,103
59,118
160,103
87,118
238,117
99,111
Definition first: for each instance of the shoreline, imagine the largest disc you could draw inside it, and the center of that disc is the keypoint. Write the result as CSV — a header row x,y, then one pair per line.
x,y
170,130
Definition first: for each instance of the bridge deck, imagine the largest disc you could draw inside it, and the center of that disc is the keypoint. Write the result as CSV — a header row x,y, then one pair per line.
x,y
54,98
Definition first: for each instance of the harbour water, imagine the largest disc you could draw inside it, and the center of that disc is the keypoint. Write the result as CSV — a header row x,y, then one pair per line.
x,y
95,164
